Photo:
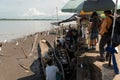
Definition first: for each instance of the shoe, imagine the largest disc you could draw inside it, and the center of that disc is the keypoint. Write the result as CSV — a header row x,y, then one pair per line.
x,y
93,48
107,56
101,59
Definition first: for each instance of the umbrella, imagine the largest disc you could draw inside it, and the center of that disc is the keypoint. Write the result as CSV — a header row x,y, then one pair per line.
x,y
98,5
88,5
73,6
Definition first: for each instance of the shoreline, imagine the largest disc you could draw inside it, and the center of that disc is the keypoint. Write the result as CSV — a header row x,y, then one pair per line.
x,y
13,55
15,59
13,37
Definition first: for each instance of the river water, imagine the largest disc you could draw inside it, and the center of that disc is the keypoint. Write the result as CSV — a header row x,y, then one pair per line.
x,y
14,29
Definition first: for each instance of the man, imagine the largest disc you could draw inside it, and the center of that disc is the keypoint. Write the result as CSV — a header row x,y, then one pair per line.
x,y
51,70
94,30
105,32
62,41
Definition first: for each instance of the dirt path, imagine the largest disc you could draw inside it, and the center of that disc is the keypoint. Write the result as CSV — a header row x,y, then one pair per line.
x,y
89,68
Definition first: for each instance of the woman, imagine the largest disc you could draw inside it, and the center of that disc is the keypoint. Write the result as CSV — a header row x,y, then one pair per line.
x,y
94,30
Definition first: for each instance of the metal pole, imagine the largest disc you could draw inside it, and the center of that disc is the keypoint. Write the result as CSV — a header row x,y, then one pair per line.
x,y
57,13
113,29
114,21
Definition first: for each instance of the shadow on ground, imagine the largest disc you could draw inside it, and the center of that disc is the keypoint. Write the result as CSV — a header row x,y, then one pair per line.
x,y
108,72
88,70
31,77
92,51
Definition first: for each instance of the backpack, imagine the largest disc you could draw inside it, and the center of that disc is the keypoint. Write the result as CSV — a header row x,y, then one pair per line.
x,y
116,36
117,26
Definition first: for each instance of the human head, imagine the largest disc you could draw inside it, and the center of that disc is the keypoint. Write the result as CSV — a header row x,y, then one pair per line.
x,y
107,12
94,14
49,62
83,18
69,26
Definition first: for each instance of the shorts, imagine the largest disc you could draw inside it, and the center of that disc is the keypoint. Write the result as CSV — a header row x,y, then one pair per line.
x,y
93,35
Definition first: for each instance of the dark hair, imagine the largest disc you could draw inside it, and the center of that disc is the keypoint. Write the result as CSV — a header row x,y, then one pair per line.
x,y
107,12
49,62
94,14
83,18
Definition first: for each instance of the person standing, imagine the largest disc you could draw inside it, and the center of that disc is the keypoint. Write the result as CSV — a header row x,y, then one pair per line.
x,y
94,30
105,32
51,70
84,25
62,41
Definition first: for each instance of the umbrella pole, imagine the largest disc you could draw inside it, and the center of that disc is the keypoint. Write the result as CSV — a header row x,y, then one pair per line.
x,y
114,18
114,21
109,63
112,55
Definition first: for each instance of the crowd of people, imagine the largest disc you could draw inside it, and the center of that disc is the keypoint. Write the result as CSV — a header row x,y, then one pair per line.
x,y
89,30
94,26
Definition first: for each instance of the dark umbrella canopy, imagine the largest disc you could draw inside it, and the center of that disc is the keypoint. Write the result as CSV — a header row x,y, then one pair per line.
x,y
99,5
88,5
73,6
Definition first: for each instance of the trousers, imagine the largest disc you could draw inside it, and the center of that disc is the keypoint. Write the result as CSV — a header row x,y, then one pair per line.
x,y
105,40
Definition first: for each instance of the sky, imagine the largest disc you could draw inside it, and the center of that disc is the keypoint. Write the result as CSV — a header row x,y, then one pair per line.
x,y
32,8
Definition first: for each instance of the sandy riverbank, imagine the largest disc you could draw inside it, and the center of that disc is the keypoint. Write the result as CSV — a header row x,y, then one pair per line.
x,y
16,53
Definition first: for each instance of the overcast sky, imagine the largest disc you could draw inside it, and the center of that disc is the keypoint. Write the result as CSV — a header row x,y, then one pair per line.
x,y
30,8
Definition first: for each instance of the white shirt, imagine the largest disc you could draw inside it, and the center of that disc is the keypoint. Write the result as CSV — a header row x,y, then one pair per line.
x,y
51,72
62,40
84,30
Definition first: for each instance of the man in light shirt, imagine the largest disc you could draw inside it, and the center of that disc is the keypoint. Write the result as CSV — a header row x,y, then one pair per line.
x,y
51,71
62,41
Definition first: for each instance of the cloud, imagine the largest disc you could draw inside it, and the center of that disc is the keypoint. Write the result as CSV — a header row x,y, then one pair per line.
x,y
64,14
30,8
34,12
65,1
